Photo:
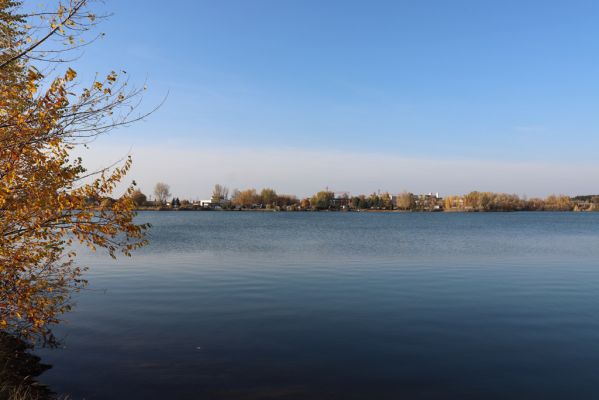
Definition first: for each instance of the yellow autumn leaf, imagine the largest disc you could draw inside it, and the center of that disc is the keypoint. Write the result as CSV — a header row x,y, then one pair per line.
x,y
111,77
70,75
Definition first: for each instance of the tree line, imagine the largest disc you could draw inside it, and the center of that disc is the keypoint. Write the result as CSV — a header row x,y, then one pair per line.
x,y
268,198
488,201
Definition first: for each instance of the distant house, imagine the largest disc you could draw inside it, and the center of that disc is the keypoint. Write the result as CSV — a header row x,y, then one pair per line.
x,y
429,202
204,203
340,200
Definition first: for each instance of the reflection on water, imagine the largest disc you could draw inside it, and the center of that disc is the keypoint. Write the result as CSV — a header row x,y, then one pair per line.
x,y
19,370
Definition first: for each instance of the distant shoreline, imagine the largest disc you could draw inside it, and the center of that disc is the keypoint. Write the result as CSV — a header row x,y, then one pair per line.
x,y
325,200
263,210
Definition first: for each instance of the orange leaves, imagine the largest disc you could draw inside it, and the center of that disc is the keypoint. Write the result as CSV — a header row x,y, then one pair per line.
x,y
111,78
60,12
33,77
70,75
46,200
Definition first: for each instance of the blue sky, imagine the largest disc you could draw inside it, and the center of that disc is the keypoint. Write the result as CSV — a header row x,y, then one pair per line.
x,y
493,84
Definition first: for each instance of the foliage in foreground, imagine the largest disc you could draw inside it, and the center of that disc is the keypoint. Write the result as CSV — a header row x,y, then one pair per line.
x,y
48,201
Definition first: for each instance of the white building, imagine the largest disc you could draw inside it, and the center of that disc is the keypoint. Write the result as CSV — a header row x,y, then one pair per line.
x,y
205,203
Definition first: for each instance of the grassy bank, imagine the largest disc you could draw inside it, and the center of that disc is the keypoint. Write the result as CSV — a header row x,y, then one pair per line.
x,y
18,371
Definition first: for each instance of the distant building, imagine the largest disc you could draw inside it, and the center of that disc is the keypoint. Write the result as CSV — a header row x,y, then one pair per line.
x,y
340,200
429,202
204,203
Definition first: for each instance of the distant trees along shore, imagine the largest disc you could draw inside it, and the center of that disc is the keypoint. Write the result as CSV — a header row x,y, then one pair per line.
x,y
267,198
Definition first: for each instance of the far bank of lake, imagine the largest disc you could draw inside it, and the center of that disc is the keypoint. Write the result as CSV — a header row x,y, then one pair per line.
x,y
150,209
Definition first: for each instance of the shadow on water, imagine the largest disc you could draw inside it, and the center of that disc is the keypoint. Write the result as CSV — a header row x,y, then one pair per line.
x,y
19,370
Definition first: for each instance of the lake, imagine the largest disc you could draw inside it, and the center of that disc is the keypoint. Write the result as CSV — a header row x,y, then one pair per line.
x,y
252,305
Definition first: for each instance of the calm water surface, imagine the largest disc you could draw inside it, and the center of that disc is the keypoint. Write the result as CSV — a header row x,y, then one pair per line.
x,y
340,306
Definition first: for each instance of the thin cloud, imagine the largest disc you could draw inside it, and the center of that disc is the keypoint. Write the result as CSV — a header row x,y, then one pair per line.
x,y
192,172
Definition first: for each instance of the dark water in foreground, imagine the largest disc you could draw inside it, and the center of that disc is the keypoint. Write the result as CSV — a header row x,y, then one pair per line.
x,y
341,306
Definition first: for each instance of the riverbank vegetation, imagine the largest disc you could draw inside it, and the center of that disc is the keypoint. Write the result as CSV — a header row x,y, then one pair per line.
x,y
326,200
19,370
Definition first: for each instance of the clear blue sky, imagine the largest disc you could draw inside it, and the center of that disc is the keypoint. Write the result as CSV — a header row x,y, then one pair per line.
x,y
505,82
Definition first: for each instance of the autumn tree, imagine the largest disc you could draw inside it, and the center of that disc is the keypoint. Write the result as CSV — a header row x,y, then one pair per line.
x,y
45,207
472,200
322,200
386,202
453,202
219,194
138,198
245,198
284,200
162,191
558,203
374,200
405,201
364,202
268,197
535,204
304,204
